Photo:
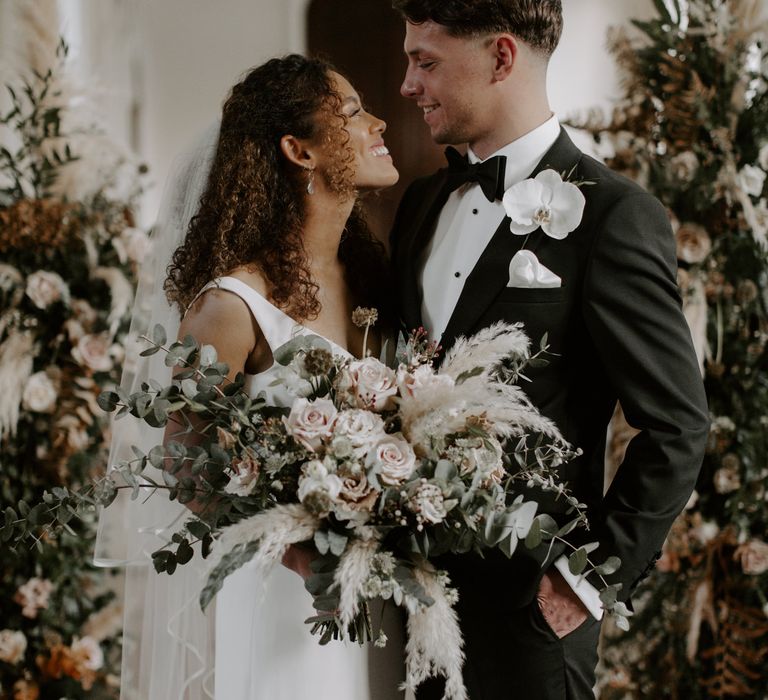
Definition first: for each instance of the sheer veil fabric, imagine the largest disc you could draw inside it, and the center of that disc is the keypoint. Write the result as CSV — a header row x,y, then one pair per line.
x,y
168,644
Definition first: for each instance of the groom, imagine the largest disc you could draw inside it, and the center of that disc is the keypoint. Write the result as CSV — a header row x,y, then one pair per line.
x,y
603,291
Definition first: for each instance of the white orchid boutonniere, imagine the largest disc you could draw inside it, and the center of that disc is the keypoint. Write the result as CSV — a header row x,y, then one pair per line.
x,y
547,201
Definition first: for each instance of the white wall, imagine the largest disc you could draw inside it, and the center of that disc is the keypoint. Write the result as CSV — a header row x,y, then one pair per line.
x,y
163,67
582,73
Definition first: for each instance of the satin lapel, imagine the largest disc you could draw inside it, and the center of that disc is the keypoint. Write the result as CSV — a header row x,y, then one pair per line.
x,y
491,273
421,231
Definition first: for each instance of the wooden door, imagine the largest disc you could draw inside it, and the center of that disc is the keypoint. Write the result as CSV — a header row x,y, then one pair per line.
x,y
364,40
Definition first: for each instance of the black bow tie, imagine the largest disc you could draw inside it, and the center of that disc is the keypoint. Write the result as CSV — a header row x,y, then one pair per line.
x,y
489,174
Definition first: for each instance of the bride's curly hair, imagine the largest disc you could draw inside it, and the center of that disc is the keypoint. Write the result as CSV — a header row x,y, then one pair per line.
x,y
253,209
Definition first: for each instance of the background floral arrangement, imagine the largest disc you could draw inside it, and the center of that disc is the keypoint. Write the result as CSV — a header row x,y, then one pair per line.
x,y
66,288
693,129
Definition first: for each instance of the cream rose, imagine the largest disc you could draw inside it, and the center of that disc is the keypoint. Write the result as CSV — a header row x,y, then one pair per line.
x,y
693,243
13,644
751,179
357,493
39,393
86,653
373,384
728,479
753,557
311,422
423,377
362,428
428,503
33,596
137,244
392,459
93,351
44,288
684,166
244,475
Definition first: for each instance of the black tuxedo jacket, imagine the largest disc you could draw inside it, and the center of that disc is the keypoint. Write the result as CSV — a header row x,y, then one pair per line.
x,y
616,331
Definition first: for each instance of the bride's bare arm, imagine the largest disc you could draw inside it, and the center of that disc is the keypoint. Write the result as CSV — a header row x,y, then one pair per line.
x,y
223,320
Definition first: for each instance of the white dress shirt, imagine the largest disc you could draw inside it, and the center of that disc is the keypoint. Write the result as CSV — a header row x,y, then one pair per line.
x,y
464,228
466,225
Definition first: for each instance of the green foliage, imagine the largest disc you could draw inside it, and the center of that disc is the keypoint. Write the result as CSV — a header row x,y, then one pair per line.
x,y
31,169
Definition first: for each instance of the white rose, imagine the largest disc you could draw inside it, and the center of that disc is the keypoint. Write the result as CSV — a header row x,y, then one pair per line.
x,y
684,166
428,503
87,653
705,531
362,428
12,646
751,179
39,393
244,476
310,422
137,244
726,480
44,288
392,459
423,377
693,243
762,157
93,351
753,557
373,384
318,478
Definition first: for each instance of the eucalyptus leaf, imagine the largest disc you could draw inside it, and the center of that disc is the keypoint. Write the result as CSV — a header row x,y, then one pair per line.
x,y
577,562
284,354
159,336
229,563
609,566
534,537
208,356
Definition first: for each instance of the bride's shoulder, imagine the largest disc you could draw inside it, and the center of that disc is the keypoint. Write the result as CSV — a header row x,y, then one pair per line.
x,y
252,277
215,305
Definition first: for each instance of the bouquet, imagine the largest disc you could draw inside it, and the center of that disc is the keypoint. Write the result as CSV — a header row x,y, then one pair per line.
x,y
379,468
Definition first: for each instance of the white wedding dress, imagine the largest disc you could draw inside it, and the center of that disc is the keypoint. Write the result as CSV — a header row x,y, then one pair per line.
x,y
264,650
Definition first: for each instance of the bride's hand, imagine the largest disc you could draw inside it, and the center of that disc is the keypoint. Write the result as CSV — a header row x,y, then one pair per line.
x,y
298,558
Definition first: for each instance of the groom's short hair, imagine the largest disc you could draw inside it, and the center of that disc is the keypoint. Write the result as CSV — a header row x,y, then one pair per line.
x,y
539,23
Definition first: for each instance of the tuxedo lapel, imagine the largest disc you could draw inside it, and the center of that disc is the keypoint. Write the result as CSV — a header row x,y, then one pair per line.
x,y
491,273
421,231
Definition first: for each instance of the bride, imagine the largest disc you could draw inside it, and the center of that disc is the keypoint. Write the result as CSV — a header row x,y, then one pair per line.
x,y
275,246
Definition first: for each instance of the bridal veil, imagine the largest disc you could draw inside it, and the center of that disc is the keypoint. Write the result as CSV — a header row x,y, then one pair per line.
x,y
168,642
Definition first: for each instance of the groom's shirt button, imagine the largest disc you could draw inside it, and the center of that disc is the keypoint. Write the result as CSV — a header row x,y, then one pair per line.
x,y
474,211
457,274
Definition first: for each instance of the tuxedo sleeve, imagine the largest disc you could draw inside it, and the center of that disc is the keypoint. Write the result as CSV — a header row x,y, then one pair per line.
x,y
632,309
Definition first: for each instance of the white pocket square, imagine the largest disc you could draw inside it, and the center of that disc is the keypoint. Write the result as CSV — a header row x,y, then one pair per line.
x,y
526,271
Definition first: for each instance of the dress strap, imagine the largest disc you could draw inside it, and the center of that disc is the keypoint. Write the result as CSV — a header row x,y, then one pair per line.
x,y
278,328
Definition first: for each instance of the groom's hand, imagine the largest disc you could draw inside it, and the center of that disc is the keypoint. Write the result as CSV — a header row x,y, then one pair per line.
x,y
559,605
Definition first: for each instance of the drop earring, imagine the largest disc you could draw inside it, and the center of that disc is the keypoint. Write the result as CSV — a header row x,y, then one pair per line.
x,y
311,181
